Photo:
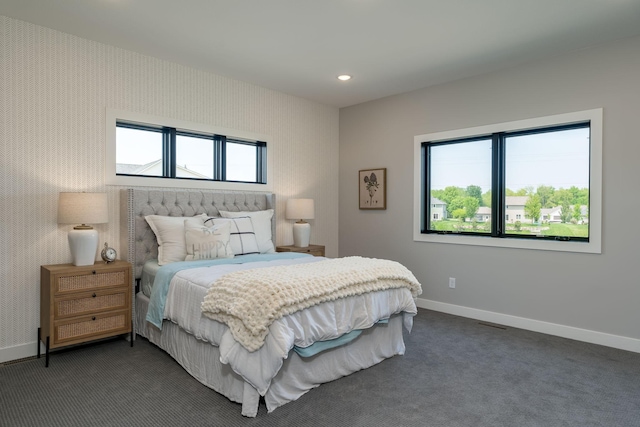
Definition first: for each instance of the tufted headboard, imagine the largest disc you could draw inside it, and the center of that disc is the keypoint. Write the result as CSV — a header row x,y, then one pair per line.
x,y
138,242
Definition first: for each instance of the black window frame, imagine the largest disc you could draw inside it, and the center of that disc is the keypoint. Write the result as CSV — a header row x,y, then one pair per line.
x,y
169,164
498,182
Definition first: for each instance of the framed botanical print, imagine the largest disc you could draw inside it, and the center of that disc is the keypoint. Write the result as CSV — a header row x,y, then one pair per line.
x,y
372,184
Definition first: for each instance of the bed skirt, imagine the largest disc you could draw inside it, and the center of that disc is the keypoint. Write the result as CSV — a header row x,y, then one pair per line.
x,y
297,376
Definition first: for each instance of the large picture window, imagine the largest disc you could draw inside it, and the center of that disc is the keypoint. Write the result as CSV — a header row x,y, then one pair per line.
x,y
143,150
530,184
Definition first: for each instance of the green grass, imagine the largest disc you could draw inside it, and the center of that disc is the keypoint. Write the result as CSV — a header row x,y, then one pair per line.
x,y
571,230
553,229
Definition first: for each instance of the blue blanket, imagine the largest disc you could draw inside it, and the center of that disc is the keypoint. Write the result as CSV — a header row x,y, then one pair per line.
x,y
320,346
155,313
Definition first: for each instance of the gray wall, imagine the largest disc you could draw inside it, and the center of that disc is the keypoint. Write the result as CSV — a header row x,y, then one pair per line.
x,y
593,292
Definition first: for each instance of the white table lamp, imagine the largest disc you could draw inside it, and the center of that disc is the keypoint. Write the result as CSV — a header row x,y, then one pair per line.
x,y
300,209
83,209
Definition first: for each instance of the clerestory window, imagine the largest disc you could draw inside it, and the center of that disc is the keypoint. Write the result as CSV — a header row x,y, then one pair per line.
x,y
161,152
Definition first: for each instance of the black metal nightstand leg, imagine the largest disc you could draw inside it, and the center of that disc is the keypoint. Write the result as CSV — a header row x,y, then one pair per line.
x,y
38,343
46,363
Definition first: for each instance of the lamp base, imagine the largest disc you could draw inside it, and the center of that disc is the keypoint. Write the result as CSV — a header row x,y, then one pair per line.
x,y
301,234
84,246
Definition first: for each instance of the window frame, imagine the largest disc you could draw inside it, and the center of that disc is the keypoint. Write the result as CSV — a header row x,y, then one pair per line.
x,y
180,127
594,243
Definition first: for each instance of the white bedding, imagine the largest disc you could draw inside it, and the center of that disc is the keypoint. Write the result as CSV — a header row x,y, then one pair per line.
x,y
248,301
297,376
325,321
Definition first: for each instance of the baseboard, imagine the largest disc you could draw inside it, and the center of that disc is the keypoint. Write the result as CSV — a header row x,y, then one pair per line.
x,y
623,343
21,351
585,335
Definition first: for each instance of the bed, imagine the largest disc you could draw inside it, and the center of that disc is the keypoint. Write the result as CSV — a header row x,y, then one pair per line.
x,y
297,352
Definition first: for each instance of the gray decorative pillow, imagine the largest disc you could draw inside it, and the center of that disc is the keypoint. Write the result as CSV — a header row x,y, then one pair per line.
x,y
203,242
243,237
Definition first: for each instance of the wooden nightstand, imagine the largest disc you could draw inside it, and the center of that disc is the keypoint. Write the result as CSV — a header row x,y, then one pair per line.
x,y
315,250
80,304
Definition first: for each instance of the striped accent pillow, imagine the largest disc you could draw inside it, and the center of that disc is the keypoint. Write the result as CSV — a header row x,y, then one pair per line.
x,y
243,237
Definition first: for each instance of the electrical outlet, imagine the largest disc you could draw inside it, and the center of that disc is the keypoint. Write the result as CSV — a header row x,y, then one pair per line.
x,y
452,282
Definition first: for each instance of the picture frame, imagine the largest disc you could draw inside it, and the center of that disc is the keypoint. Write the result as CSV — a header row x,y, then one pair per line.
x,y
372,188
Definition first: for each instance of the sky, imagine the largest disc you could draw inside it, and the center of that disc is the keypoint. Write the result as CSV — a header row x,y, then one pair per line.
x,y
557,159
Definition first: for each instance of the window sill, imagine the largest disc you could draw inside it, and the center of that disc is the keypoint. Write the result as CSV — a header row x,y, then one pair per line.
x,y
138,181
592,246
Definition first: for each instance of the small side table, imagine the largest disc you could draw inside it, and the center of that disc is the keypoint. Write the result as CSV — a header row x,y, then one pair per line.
x,y
81,304
315,250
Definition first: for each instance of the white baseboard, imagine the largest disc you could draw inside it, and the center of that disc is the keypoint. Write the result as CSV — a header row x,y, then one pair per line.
x,y
21,351
623,343
585,335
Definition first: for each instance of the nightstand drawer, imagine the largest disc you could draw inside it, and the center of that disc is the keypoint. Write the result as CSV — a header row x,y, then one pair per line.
x,y
91,280
315,250
94,302
78,329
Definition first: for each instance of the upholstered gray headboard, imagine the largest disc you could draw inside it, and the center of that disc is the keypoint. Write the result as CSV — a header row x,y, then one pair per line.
x,y
138,242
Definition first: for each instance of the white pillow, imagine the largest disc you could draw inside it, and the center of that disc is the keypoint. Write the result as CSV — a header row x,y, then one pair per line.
x,y
261,224
204,242
169,231
243,238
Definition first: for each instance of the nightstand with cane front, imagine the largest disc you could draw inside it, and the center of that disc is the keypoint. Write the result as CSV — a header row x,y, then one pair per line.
x,y
81,304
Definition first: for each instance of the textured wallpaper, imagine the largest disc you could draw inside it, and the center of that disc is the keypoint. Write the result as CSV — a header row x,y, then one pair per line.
x,y
54,92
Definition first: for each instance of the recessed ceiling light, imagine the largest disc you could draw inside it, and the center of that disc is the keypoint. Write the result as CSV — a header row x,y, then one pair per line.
x,y
344,77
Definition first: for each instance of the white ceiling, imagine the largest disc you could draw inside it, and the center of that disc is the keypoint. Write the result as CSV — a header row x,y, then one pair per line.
x,y
300,46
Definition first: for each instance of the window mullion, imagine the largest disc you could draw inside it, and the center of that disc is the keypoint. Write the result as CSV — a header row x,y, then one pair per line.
x,y
261,162
497,185
426,195
219,156
169,152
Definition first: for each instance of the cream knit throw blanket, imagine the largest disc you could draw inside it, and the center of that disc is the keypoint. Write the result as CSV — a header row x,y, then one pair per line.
x,y
248,301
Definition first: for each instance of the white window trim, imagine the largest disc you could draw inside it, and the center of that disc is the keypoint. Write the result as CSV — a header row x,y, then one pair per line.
x,y
111,178
595,184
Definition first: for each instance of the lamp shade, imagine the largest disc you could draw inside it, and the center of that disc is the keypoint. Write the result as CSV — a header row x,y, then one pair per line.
x,y
300,209
82,208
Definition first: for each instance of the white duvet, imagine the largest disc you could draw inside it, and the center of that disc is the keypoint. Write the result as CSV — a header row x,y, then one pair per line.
x,y
322,322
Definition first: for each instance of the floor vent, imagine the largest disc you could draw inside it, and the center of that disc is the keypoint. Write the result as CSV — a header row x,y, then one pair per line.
x,y
493,325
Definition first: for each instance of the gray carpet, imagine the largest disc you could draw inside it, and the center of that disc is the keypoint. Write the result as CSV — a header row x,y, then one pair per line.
x,y
456,372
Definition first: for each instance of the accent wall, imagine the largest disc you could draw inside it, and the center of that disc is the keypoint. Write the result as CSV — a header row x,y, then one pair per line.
x,y
54,92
